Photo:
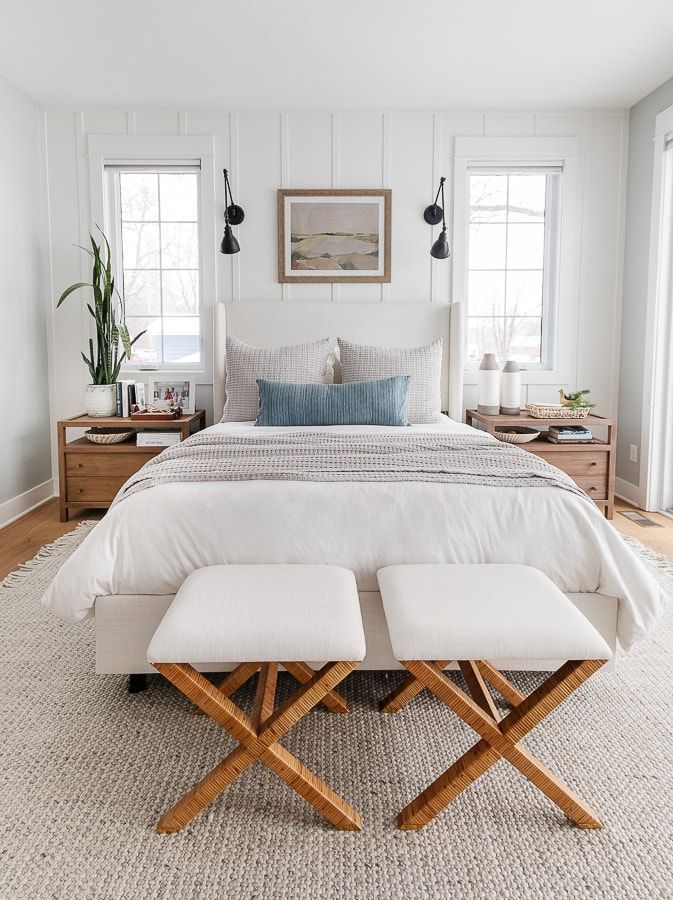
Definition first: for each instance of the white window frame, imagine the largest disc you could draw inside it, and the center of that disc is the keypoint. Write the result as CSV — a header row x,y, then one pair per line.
x,y
162,150
657,391
473,153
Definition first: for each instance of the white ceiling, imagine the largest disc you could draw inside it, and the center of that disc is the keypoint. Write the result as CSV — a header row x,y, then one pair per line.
x,y
347,53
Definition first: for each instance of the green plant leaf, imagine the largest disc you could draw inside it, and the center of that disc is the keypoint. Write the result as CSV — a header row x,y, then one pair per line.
x,y
71,290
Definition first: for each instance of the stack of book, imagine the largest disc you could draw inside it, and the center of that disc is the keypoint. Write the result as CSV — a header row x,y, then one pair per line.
x,y
569,434
151,438
129,395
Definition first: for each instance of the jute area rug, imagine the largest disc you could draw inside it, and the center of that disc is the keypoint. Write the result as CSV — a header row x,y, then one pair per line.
x,y
87,769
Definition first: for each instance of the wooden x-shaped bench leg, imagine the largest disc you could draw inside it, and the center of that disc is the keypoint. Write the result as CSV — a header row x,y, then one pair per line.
x,y
301,671
412,686
499,739
258,740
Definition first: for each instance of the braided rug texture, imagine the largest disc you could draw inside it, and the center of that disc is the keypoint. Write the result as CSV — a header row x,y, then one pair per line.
x,y
87,769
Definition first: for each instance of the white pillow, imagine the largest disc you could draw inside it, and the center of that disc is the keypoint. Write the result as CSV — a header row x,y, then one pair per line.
x,y
300,364
424,364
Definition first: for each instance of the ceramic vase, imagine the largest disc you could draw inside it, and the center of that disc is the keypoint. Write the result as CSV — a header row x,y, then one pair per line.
x,y
101,400
489,386
510,389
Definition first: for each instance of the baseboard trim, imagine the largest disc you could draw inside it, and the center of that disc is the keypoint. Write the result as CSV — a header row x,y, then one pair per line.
x,y
13,509
625,490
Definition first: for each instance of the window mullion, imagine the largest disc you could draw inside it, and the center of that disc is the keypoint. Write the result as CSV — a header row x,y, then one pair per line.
x,y
161,265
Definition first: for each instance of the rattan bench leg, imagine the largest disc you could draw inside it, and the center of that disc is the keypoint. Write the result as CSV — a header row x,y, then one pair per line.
x,y
403,695
302,672
499,739
258,740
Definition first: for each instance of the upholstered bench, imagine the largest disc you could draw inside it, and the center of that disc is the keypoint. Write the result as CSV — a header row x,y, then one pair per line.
x,y
261,617
478,613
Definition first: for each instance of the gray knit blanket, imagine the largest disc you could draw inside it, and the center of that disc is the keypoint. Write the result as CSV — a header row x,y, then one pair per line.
x,y
328,456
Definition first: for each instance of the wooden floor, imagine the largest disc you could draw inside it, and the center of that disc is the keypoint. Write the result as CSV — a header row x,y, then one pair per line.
x,y
22,539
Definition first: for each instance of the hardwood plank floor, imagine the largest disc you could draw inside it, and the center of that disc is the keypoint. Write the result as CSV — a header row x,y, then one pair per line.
x,y
22,539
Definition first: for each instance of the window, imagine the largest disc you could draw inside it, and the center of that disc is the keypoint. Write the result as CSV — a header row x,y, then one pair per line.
x,y
154,229
513,248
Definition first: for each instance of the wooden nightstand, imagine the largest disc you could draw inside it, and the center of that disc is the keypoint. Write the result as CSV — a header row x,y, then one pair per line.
x,y
591,466
91,474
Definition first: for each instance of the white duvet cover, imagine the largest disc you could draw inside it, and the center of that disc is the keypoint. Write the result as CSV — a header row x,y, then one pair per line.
x,y
151,541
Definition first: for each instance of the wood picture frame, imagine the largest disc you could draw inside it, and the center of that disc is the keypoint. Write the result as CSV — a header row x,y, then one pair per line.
x,y
362,248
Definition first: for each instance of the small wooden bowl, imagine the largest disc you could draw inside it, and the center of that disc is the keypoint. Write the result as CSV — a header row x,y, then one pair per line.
x,y
516,434
108,435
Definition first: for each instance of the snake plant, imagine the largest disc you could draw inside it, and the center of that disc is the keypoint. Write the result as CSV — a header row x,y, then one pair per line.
x,y
108,313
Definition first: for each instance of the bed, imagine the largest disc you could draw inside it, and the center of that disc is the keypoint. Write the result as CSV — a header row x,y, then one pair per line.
x,y
128,569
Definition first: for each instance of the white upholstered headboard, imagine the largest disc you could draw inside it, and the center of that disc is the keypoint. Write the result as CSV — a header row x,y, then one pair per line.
x,y
267,324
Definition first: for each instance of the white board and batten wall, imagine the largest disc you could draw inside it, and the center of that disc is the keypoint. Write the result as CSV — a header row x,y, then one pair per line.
x,y
406,151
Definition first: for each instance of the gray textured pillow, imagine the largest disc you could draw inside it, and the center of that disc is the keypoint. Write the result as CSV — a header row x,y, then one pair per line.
x,y
302,363
424,364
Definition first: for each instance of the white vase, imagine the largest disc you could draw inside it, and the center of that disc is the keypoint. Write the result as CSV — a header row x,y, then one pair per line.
x,y
510,389
489,386
101,400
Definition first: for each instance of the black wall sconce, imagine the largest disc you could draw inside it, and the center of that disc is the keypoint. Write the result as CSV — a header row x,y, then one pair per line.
x,y
433,215
233,215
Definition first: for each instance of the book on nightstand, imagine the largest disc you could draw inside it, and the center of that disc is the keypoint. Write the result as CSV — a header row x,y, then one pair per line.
x,y
569,434
157,438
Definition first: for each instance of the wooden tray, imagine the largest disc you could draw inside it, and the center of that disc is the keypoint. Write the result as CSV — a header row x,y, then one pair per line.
x,y
155,416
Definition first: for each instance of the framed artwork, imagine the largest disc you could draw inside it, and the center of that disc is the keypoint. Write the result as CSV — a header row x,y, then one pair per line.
x,y
334,235
172,393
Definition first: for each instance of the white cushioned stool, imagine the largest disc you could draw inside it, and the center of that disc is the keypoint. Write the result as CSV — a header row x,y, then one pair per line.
x,y
261,617
472,614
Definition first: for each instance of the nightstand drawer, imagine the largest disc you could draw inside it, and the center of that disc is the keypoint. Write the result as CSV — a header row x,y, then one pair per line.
x,y
103,488
581,465
100,463
596,486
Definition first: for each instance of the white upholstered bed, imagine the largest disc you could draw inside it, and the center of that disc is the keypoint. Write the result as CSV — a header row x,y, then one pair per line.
x,y
129,568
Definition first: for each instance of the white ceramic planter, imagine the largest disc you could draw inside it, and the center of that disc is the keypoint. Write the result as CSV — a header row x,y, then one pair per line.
x,y
101,400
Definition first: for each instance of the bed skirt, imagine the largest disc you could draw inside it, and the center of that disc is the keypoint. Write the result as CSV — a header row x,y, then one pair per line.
x,y
125,624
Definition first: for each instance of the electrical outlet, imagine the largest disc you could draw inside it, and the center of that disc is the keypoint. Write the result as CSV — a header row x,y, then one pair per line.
x,y
633,452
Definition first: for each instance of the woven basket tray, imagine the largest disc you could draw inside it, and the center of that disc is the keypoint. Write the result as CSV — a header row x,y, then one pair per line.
x,y
556,411
108,435
516,434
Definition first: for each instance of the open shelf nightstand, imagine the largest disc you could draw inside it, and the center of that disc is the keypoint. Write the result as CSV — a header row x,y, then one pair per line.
x,y
91,474
590,465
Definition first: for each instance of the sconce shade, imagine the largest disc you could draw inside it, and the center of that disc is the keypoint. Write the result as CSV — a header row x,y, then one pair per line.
x,y
440,249
229,243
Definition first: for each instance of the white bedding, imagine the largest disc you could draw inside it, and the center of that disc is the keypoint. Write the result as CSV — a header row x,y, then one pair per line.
x,y
149,543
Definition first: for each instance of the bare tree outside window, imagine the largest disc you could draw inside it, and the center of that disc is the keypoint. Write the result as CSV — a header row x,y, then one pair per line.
x,y
158,262
507,257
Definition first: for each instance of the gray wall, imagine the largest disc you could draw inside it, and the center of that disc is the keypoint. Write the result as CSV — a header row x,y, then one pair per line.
x,y
25,454
636,260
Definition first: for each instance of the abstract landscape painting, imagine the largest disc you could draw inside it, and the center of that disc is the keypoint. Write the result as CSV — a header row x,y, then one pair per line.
x,y
333,236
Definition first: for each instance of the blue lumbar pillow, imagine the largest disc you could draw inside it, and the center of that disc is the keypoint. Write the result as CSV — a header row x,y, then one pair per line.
x,y
379,402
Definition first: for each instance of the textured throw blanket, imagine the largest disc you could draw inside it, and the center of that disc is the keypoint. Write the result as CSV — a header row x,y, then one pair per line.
x,y
324,456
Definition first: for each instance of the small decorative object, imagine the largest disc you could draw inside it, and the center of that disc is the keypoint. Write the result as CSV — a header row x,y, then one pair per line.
x,y
556,411
171,396
108,313
489,386
433,215
334,236
108,435
577,400
516,434
510,389
233,215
